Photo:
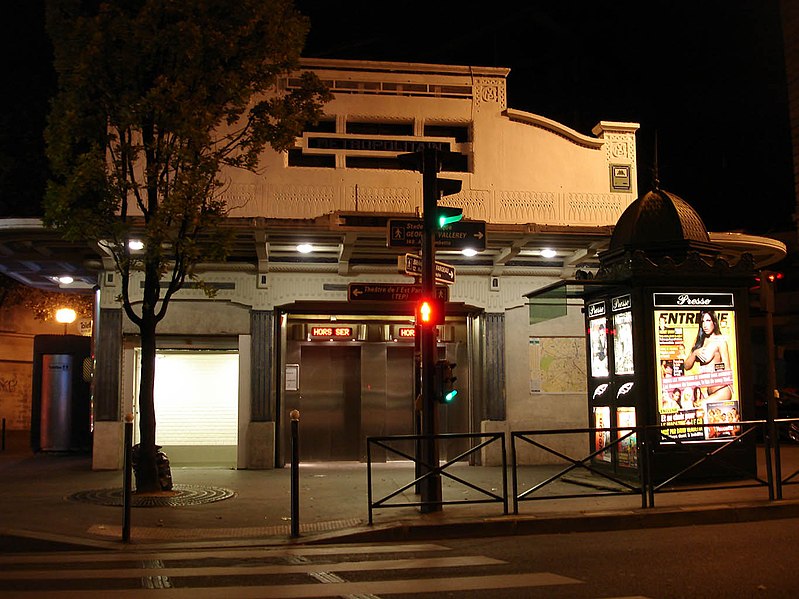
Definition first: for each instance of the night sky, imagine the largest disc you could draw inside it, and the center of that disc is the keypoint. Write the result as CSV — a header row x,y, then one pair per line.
x,y
706,79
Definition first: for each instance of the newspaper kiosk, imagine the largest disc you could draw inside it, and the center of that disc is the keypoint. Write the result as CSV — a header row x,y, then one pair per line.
x,y
667,324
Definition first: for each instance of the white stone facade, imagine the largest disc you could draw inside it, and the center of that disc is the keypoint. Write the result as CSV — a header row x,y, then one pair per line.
x,y
520,170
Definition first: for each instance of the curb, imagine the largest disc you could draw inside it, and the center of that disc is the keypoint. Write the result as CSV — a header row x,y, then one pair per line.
x,y
18,541
408,530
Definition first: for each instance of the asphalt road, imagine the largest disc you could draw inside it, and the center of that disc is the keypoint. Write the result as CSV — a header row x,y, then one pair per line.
x,y
728,561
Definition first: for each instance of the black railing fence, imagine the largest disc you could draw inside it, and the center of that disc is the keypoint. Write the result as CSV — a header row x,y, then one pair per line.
x,y
560,471
717,457
787,432
544,441
392,445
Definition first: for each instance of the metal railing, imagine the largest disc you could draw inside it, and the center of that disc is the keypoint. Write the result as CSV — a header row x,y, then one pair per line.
x,y
622,486
787,428
716,455
641,444
388,443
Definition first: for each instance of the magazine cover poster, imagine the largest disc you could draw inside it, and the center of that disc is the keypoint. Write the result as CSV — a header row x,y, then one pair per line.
x,y
602,438
598,338
628,449
623,343
722,415
697,371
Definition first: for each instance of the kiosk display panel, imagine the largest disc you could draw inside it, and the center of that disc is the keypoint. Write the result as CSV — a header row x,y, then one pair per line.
x,y
697,366
602,437
628,447
623,343
598,340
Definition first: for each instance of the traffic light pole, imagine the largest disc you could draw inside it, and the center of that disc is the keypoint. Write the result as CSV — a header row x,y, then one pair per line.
x,y
431,486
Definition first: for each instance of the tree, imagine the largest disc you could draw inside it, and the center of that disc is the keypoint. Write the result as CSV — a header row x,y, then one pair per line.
x,y
155,99
42,304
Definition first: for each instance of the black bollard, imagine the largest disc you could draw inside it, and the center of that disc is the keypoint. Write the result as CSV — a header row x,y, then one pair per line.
x,y
295,473
127,482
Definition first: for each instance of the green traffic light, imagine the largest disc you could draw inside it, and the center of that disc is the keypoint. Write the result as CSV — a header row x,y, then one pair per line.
x,y
448,215
450,396
443,220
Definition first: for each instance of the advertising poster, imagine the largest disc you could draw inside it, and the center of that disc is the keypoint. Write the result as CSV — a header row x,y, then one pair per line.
x,y
697,368
623,343
602,438
598,338
628,450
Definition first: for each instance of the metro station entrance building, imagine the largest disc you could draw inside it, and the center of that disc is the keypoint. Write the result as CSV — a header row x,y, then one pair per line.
x,y
285,331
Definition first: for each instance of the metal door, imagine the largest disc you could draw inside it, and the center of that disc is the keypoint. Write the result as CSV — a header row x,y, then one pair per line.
x,y
400,391
56,402
330,402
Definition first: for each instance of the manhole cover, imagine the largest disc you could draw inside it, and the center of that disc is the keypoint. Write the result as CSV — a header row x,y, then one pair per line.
x,y
181,495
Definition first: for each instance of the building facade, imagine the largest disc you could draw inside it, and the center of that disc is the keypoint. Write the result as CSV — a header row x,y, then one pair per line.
x,y
308,313
545,196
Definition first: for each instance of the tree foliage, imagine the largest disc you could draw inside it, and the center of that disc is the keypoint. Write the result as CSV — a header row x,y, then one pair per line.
x,y
42,304
156,98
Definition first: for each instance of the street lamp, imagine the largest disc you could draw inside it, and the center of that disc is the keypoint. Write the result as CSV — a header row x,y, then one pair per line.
x,y
65,316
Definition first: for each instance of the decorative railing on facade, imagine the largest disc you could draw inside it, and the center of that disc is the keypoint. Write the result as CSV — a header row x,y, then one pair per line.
x,y
293,201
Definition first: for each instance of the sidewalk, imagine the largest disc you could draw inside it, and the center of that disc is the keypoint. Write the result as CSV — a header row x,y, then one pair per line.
x,y
38,510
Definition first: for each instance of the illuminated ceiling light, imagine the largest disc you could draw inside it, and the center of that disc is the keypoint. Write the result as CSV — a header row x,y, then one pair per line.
x,y
548,253
469,252
136,244
65,315
65,280
305,248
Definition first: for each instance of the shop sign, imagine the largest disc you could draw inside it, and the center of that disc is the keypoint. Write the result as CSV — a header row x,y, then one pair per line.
x,y
693,300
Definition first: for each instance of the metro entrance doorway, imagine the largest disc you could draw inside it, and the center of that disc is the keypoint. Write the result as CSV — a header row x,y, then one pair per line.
x,y
348,390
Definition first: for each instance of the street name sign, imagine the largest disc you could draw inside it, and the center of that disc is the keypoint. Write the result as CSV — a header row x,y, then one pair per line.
x,y
456,236
391,292
411,264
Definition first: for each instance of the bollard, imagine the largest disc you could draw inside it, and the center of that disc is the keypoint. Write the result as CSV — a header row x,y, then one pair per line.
x,y
127,482
295,473
4,435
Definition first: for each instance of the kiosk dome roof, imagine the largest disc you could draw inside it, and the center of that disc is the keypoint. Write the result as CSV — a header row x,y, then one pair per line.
x,y
658,218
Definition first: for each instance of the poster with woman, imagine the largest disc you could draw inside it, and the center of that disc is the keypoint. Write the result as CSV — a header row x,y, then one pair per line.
x,y
623,343
697,370
598,338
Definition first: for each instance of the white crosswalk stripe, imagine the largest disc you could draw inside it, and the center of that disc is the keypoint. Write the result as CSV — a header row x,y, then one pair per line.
x,y
353,572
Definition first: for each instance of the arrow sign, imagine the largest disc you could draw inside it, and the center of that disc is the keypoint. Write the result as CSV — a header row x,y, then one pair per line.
x,y
457,236
390,292
411,264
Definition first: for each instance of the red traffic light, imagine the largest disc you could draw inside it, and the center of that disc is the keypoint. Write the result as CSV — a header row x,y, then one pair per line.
x,y
429,312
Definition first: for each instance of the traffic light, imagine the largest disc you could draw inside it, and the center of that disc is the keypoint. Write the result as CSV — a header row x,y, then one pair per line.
x,y
447,215
766,288
445,390
429,312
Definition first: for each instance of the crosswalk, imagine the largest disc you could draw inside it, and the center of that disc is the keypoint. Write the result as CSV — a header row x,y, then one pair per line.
x,y
352,571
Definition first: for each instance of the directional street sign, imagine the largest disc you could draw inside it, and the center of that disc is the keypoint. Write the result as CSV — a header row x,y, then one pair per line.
x,y
457,236
390,292
411,264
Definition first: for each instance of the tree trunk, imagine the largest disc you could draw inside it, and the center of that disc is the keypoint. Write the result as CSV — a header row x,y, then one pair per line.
x,y
147,469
